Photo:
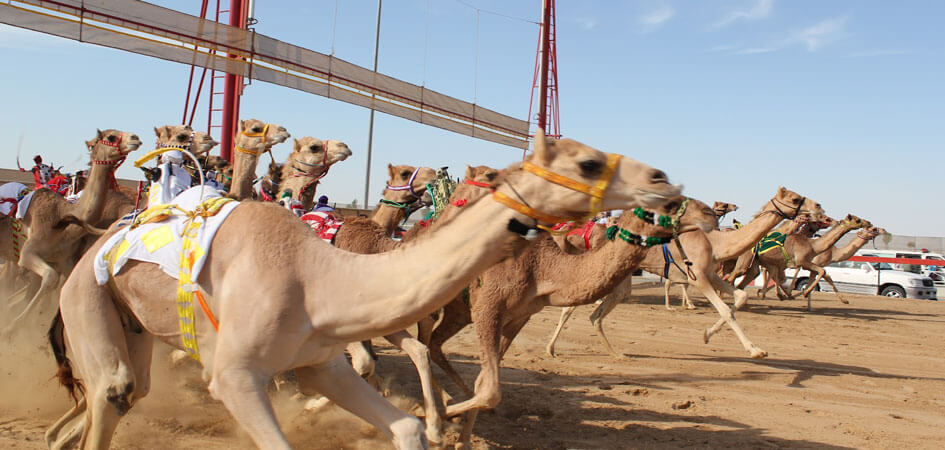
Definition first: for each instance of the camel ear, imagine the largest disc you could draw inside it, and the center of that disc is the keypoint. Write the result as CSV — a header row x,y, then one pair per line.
x,y
850,217
390,170
469,172
157,131
242,126
99,134
295,145
781,191
541,155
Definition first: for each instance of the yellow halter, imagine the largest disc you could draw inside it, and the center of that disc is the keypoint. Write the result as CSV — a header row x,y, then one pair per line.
x,y
596,191
261,134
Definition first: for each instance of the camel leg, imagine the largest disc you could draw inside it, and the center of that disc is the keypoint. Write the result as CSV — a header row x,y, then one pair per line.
x,y
242,389
361,359
727,315
455,318
565,315
766,280
685,296
821,273
749,275
597,318
797,271
50,281
666,287
487,392
741,299
343,386
109,358
433,406
779,281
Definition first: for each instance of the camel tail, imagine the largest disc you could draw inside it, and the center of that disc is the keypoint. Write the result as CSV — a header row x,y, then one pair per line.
x,y
69,219
57,341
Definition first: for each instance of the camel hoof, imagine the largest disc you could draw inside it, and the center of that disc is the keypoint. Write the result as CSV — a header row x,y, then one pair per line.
x,y
705,336
844,301
757,353
550,351
670,308
690,307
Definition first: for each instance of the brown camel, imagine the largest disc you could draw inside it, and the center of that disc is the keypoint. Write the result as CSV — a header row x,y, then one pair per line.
x,y
284,299
799,251
306,166
253,139
504,297
837,254
56,227
703,253
723,208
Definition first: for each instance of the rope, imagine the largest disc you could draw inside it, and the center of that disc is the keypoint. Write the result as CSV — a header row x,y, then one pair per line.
x,y
614,232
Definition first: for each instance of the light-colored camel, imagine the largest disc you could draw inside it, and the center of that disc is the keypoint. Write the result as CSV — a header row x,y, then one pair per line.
x,y
704,253
56,227
837,254
254,138
799,251
723,208
504,298
287,300
307,164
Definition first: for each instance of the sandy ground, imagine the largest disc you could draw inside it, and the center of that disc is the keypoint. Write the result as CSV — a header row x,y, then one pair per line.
x,y
865,375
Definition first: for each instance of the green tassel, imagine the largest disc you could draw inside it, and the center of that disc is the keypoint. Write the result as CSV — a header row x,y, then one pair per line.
x,y
612,231
665,221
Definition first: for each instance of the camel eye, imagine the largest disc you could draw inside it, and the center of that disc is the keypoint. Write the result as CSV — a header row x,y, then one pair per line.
x,y
491,176
405,174
314,148
110,138
672,206
257,129
796,201
591,167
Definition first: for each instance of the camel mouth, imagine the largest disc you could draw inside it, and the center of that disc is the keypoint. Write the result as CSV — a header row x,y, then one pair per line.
x,y
648,198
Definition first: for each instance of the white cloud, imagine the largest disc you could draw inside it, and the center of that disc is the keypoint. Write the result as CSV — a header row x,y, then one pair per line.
x,y
656,18
759,10
818,35
755,50
586,23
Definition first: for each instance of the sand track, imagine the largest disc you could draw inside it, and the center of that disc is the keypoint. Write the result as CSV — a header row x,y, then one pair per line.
x,y
865,375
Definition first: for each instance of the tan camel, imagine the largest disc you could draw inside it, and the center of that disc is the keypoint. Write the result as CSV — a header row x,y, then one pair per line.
x,y
799,251
704,253
56,227
723,208
506,295
306,166
287,300
837,254
254,138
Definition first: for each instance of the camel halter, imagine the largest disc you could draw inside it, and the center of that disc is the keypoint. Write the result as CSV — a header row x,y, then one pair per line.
x,y
596,191
112,182
409,185
797,210
261,134
316,178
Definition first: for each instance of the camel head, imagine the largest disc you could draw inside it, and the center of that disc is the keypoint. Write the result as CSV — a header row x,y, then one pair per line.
x,y
316,156
202,143
256,136
181,136
789,204
722,208
854,223
691,215
482,174
112,146
870,232
222,167
408,184
631,183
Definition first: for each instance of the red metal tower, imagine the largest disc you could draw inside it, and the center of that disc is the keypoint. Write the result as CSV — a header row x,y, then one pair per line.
x,y
237,16
546,74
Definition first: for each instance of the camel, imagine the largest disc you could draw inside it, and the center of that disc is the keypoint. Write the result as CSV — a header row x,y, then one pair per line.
x,y
723,208
285,299
254,138
504,298
837,254
704,250
56,227
799,251
306,166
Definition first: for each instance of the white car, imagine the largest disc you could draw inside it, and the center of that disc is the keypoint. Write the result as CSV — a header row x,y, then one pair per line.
x,y
872,279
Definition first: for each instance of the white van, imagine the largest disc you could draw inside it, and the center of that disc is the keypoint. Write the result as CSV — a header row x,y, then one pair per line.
x,y
872,279
936,273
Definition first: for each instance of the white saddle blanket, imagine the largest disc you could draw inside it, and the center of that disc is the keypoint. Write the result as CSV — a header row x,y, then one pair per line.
x,y
13,190
161,242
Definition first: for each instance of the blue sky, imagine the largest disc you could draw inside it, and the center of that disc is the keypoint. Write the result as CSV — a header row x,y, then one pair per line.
x,y
841,101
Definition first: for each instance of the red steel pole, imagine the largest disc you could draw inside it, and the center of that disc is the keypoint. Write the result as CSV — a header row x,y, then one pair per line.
x,y
231,91
543,81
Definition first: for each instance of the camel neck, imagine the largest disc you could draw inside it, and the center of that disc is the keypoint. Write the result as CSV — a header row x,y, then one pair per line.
x,y
842,254
387,217
829,238
91,204
244,171
413,280
301,189
730,244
